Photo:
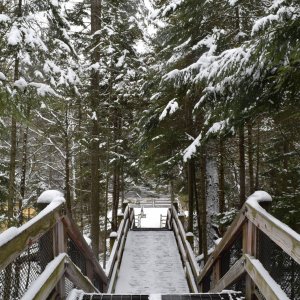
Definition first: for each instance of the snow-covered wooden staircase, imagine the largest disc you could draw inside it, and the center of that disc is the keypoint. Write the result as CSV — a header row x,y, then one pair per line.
x,y
48,258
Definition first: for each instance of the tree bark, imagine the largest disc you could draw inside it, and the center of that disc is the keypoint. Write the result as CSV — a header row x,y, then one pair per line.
x,y
203,203
23,168
67,164
221,176
242,172
191,176
257,157
197,203
94,145
106,204
250,158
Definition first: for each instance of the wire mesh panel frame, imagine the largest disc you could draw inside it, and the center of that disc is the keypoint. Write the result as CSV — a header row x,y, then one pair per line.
x,y
17,277
282,268
232,254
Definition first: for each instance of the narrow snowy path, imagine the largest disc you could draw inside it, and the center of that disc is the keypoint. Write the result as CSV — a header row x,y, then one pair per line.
x,y
151,265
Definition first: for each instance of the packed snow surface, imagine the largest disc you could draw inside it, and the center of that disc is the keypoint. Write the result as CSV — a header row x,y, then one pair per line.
x,y
151,217
151,265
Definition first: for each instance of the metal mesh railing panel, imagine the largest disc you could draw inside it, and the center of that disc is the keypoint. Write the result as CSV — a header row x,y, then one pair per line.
x,y
69,286
239,286
206,282
282,268
76,256
231,255
17,277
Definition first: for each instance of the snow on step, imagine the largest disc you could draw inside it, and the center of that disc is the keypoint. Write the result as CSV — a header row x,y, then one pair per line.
x,y
151,265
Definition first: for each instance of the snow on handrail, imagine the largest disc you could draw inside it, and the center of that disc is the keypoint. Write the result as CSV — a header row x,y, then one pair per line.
x,y
281,234
251,218
14,240
46,282
120,233
186,251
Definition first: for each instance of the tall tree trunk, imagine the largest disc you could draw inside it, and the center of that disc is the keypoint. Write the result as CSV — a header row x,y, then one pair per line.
x,y
106,204
212,195
116,195
67,163
23,168
242,172
250,158
197,203
191,176
94,146
12,170
221,176
80,172
203,203
257,157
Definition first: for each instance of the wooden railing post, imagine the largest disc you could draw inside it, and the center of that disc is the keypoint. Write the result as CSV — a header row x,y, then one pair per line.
x,y
60,246
181,217
46,243
112,238
190,238
249,247
176,205
124,205
216,272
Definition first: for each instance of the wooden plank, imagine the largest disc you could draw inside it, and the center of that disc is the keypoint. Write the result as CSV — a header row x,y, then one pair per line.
x,y
179,243
249,247
115,258
76,236
46,282
286,238
266,284
59,246
188,249
73,273
230,277
117,262
191,279
192,259
229,236
28,234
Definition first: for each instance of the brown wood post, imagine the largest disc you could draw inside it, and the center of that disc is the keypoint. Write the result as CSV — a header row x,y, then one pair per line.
x,y
112,238
60,246
46,243
90,271
216,272
176,206
181,217
120,217
124,205
190,238
249,247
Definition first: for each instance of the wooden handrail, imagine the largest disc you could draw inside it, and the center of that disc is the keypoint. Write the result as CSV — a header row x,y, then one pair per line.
x,y
186,252
281,234
55,270
15,240
118,247
79,240
52,219
250,219
229,236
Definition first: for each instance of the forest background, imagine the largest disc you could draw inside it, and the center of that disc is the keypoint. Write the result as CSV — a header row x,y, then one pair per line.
x,y
198,96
